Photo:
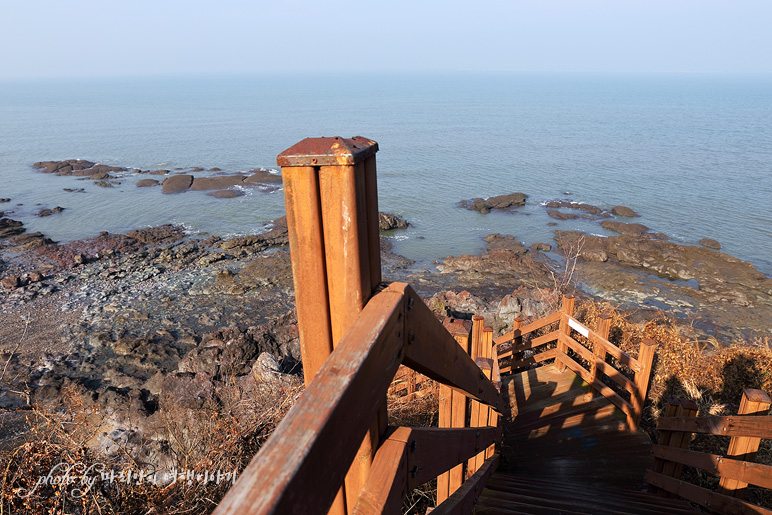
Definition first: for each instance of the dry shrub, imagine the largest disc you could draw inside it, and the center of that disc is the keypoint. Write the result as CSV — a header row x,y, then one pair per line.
x,y
710,373
221,436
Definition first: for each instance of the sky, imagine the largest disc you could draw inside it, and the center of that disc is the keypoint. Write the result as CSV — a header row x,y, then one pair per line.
x,y
84,38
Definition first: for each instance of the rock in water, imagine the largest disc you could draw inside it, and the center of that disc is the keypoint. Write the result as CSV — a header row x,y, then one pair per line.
x,y
624,211
710,243
177,183
502,202
387,222
144,183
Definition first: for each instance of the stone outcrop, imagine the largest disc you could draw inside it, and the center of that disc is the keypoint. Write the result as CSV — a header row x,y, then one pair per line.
x,y
502,202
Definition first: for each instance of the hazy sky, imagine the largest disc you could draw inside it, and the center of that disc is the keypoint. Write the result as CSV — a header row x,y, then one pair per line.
x,y
58,38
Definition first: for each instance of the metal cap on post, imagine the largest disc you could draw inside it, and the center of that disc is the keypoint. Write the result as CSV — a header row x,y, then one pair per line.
x,y
331,198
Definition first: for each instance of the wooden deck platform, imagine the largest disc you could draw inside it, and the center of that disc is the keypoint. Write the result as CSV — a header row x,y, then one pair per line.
x,y
567,451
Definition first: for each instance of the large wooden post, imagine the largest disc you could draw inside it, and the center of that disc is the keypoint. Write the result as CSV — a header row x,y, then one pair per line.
x,y
603,329
331,199
754,402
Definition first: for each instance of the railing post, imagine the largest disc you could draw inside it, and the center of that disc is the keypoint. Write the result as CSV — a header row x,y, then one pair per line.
x,y
603,330
568,310
331,200
478,413
754,402
642,376
453,410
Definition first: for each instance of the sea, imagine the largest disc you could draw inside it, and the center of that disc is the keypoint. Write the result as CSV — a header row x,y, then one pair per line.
x,y
691,153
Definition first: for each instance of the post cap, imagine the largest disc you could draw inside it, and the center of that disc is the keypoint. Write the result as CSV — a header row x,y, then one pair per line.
x,y
335,151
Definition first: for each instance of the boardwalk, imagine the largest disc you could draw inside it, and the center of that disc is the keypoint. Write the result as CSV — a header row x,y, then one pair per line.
x,y
566,451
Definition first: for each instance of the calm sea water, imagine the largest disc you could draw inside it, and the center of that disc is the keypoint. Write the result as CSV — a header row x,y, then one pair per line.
x,y
691,153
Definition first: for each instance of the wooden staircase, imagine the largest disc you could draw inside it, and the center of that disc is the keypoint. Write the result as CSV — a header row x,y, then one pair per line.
x,y
568,451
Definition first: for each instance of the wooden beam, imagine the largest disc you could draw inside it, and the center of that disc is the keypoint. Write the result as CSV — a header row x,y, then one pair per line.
x,y
642,377
432,351
462,501
302,465
566,310
726,468
715,501
732,425
386,486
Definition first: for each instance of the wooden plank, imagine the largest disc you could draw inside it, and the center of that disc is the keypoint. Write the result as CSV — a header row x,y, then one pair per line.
x,y
533,326
715,501
319,433
754,402
306,241
609,347
432,351
462,501
538,358
739,470
373,233
536,342
732,425
445,418
386,486
679,440
604,390
347,255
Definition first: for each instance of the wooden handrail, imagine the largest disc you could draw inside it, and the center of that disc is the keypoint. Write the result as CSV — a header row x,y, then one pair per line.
x,y
733,425
736,470
595,357
318,433
412,456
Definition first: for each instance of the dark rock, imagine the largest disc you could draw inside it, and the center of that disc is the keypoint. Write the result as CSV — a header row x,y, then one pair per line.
x,y
624,211
36,277
66,167
387,222
156,235
215,169
215,183
44,212
501,242
559,215
625,228
11,282
9,227
144,183
262,177
58,209
103,184
177,183
544,247
100,176
593,210
2,200
502,202
710,243
226,194
160,172
75,190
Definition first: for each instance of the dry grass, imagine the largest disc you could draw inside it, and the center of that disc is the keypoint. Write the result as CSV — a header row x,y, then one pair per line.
x,y
708,372
221,436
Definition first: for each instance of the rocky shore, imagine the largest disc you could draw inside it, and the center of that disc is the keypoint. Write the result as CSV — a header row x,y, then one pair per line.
x,y
143,324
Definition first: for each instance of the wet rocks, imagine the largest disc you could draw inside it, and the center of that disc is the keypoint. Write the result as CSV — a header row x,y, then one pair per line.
x,y
710,243
590,209
502,202
65,167
146,183
625,228
262,177
501,242
226,193
9,227
49,212
388,222
624,211
559,215
177,184
216,183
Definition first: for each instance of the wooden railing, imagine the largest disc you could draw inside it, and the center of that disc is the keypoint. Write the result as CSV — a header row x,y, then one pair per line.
x,y
736,470
604,376
333,452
